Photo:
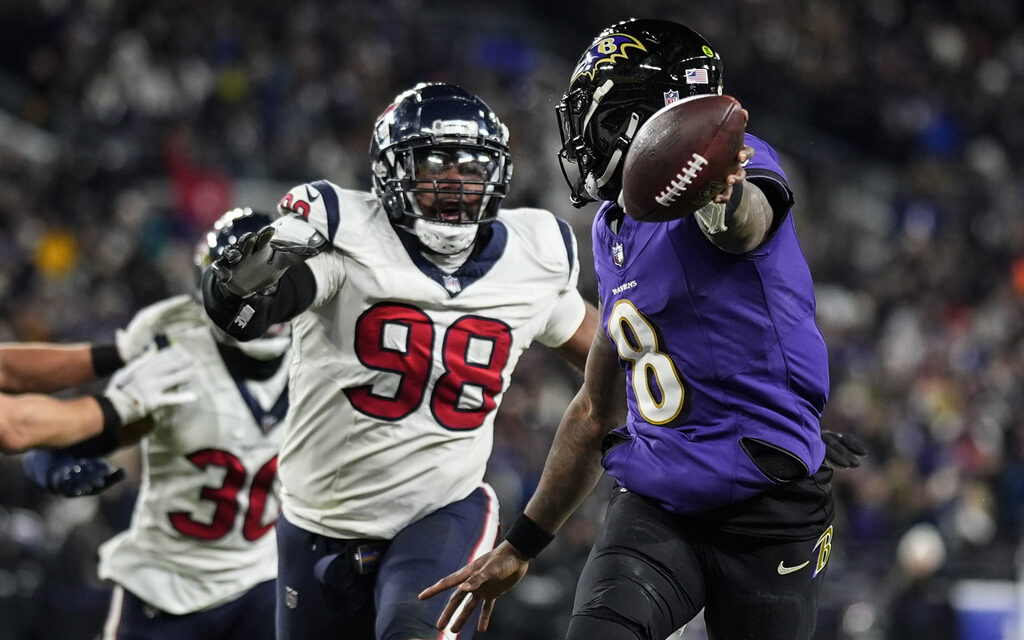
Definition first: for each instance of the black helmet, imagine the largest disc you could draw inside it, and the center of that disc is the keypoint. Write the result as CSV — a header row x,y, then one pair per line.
x,y
427,129
631,70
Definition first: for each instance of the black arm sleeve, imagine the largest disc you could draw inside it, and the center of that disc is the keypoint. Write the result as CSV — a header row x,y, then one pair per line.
x,y
249,318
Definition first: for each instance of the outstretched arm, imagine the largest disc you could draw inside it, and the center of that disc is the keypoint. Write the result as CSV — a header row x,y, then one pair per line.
x,y
262,279
572,469
43,367
151,381
34,420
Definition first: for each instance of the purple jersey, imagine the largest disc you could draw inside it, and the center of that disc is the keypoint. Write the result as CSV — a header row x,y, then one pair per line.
x,y
716,347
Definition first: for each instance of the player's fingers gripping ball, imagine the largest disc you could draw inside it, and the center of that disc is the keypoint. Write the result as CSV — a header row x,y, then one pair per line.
x,y
681,157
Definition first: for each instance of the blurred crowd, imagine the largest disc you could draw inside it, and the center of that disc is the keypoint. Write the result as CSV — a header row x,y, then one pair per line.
x,y
126,127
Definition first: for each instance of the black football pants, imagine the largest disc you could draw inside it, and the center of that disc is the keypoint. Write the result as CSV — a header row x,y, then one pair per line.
x,y
651,571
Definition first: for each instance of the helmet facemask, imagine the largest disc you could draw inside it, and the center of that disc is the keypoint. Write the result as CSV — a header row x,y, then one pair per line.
x,y
595,137
441,166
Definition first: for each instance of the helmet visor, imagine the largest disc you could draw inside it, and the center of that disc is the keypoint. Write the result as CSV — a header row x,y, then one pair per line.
x,y
454,163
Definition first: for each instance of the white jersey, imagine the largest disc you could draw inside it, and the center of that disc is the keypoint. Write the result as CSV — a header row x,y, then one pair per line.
x,y
398,368
203,528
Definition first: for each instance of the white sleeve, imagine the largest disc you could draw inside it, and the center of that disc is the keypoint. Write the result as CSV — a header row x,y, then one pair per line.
x,y
328,269
565,319
567,316
308,200
149,321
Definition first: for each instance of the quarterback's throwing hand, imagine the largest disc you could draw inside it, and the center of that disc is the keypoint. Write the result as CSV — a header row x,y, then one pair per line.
x,y
482,580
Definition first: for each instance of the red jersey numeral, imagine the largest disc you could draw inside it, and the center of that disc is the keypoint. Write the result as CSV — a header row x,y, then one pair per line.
x,y
400,339
226,498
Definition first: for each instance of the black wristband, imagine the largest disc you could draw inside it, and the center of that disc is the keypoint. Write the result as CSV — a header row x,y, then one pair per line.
x,y
111,419
105,359
527,537
104,442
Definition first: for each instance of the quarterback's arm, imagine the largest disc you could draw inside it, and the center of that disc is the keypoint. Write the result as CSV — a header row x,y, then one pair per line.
x,y
43,367
740,218
571,471
573,465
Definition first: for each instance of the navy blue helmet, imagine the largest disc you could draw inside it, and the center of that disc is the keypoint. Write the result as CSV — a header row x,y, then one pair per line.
x,y
226,231
439,153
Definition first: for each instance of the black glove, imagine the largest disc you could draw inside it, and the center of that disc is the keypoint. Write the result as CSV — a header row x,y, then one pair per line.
x,y
58,472
842,451
257,260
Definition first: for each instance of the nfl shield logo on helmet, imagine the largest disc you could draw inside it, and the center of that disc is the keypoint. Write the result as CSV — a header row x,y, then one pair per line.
x,y
618,254
671,96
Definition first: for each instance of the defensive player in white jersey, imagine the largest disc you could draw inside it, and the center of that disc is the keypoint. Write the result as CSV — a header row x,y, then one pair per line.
x,y
410,307
199,559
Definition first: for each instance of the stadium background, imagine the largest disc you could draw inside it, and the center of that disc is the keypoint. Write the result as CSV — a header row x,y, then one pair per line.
x,y
126,127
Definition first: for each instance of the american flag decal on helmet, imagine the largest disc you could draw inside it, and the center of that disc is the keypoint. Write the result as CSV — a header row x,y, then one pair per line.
x,y
697,76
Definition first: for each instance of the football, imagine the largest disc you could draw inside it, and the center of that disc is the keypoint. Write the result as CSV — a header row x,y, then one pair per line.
x,y
680,157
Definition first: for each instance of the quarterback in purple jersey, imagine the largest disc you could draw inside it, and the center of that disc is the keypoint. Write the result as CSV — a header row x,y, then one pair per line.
x,y
722,501
723,358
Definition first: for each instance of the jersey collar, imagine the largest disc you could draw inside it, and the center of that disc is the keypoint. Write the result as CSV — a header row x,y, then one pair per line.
x,y
242,367
490,246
